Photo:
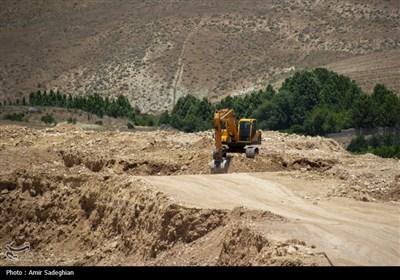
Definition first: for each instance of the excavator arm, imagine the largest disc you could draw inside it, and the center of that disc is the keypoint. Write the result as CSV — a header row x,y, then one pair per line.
x,y
227,116
218,137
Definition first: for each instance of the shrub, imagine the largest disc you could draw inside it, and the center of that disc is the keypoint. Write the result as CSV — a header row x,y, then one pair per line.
x,y
14,117
130,125
71,120
358,144
48,119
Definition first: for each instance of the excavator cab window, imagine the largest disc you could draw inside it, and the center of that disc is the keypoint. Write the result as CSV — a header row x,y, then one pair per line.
x,y
244,134
253,129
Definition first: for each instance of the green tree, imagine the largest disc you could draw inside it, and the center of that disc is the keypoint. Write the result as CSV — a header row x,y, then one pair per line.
x,y
322,120
364,112
164,118
375,141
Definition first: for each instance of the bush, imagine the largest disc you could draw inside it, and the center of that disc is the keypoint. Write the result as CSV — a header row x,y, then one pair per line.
x,y
71,120
386,146
298,129
385,151
358,144
130,125
100,122
164,118
375,141
48,119
14,117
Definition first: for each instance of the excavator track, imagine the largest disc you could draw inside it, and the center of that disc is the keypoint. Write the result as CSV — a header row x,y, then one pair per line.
x,y
251,152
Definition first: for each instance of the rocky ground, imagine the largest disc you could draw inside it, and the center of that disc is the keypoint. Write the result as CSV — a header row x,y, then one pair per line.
x,y
145,198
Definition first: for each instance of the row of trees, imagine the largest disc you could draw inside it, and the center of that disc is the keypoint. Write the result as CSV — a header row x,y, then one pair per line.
x,y
387,145
313,102
96,104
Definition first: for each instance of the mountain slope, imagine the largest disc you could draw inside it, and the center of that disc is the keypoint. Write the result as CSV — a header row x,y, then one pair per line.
x,y
156,51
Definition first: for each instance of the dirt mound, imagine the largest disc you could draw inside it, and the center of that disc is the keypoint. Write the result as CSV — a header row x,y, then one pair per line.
x,y
97,220
243,246
76,196
10,132
65,128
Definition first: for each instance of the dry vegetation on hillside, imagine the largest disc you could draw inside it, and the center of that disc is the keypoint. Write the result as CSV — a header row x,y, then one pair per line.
x,y
156,51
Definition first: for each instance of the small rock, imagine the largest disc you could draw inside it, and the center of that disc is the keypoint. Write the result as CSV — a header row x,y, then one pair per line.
x,y
291,250
5,191
309,252
364,198
184,167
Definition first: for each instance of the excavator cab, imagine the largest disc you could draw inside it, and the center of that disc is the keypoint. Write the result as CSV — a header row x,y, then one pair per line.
x,y
244,131
247,129
248,133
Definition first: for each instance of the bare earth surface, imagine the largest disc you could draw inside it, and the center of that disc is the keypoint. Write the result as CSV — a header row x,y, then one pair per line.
x,y
352,234
147,198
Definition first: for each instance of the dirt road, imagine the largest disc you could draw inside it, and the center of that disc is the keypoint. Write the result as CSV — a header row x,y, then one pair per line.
x,y
349,232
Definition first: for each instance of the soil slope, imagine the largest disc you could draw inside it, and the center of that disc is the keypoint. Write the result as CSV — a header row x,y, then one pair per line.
x,y
147,198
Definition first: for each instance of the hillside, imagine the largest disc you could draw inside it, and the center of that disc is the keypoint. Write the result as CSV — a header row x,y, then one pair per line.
x,y
156,51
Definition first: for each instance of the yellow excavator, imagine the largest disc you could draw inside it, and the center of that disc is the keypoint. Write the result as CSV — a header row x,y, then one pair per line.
x,y
238,136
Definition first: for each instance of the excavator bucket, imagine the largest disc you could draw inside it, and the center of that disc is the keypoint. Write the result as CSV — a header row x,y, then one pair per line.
x,y
220,167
